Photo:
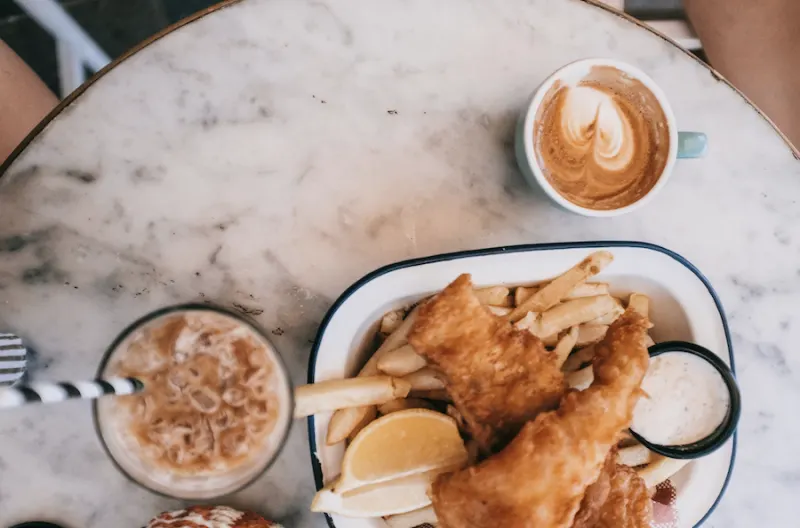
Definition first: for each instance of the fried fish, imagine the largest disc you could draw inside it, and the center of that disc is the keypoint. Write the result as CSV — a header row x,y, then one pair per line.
x,y
498,376
617,499
540,478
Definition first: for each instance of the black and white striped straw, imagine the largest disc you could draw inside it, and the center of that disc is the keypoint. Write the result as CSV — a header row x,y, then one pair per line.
x,y
51,392
13,359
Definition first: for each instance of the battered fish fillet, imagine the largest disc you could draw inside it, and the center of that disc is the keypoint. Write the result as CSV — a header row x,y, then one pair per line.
x,y
499,377
539,479
596,495
618,499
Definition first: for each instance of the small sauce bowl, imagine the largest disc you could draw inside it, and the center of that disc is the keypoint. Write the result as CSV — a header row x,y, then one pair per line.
x,y
726,428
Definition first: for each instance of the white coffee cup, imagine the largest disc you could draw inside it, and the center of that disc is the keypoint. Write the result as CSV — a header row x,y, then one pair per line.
x,y
681,144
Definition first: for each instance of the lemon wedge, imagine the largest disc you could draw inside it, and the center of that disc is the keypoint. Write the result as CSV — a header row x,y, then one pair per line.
x,y
414,518
403,495
399,445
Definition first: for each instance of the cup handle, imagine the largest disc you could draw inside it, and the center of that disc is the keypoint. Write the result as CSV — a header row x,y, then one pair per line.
x,y
692,144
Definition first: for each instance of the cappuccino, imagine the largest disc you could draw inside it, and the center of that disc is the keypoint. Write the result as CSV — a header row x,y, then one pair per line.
x,y
603,142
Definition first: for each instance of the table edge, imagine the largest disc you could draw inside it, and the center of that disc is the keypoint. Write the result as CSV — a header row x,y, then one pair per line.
x,y
69,99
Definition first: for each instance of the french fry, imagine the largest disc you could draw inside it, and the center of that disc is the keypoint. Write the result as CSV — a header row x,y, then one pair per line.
x,y
331,395
639,303
635,455
523,293
558,288
500,311
584,289
401,404
659,470
532,320
588,289
391,321
611,316
344,421
401,361
436,394
605,320
372,413
580,379
578,359
566,344
424,379
565,315
493,296
395,340
576,312
423,517
590,334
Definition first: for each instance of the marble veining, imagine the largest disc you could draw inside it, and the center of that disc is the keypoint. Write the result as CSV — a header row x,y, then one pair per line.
x,y
268,155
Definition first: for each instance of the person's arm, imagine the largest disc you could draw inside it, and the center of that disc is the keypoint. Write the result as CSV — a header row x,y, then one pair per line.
x,y
755,45
24,100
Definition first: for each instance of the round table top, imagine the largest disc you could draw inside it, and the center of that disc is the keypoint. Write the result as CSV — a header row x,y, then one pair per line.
x,y
267,155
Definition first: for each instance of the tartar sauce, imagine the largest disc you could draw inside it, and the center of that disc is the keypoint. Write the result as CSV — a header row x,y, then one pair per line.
x,y
688,400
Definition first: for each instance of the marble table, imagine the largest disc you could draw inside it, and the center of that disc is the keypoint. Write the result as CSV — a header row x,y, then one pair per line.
x,y
270,153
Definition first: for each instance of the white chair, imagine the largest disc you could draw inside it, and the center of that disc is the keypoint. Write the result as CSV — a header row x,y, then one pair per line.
x,y
75,50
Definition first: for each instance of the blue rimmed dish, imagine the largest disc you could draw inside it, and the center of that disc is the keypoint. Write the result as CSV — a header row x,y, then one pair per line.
x,y
684,307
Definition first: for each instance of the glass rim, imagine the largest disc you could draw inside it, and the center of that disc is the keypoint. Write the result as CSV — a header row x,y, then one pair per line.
x,y
206,307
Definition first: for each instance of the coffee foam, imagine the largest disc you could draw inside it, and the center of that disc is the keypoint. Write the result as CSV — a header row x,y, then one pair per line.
x,y
594,124
603,142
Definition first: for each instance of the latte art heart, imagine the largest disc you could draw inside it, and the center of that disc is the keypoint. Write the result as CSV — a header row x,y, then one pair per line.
x,y
602,143
594,125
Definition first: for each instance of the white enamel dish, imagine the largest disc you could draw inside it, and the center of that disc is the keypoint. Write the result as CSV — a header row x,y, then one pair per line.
x,y
684,307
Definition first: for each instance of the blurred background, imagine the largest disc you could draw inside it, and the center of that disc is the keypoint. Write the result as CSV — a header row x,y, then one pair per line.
x,y
115,25
64,42
118,25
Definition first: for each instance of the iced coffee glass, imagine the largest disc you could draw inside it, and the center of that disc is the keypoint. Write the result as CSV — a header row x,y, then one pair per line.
x,y
216,408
